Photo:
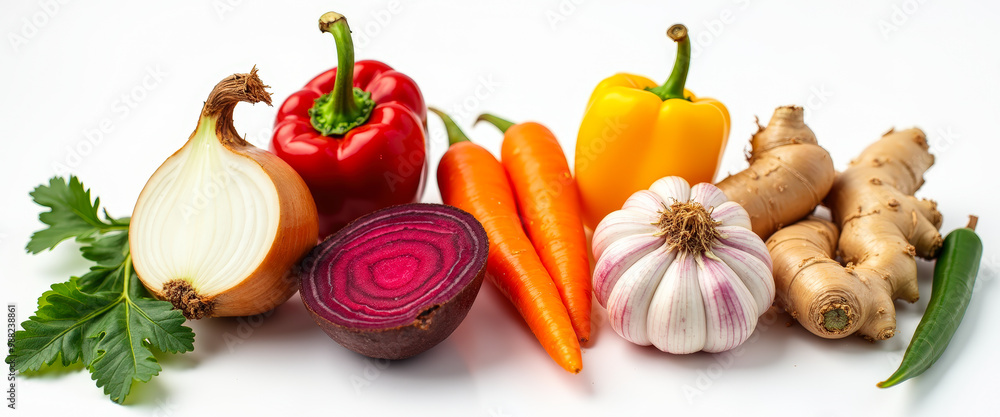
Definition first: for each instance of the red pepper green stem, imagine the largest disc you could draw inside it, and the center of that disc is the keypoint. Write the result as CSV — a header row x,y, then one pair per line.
x,y
501,124
346,107
455,134
674,86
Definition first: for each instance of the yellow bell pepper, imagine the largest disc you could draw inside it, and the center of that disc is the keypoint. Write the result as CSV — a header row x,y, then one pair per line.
x,y
635,132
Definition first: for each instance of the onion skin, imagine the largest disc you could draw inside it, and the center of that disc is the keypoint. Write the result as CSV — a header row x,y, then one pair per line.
x,y
272,282
416,327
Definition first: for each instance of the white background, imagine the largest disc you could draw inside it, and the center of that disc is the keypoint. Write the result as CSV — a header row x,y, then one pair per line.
x,y
859,67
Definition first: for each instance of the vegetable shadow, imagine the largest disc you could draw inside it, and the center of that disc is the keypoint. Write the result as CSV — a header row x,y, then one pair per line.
x,y
765,346
141,394
222,335
442,362
172,361
55,370
377,379
420,375
146,394
495,335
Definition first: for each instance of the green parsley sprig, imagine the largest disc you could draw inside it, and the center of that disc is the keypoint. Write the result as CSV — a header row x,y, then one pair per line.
x,y
105,318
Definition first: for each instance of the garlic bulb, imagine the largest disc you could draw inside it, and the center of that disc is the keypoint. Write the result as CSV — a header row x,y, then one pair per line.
x,y
220,223
679,268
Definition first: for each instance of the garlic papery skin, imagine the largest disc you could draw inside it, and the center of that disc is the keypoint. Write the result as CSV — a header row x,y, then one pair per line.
x,y
679,268
220,224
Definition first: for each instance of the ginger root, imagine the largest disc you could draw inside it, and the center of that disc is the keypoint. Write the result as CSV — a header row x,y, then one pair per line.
x,y
789,173
882,228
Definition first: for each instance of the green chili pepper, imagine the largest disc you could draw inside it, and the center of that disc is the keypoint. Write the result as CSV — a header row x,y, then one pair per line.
x,y
954,276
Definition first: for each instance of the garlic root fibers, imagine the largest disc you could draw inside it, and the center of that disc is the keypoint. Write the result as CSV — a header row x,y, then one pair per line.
x,y
679,268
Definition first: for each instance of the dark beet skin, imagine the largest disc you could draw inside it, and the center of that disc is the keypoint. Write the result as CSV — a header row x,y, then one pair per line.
x,y
398,281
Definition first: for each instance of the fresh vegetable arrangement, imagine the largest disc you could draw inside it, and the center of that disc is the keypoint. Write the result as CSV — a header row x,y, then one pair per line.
x,y
333,211
356,136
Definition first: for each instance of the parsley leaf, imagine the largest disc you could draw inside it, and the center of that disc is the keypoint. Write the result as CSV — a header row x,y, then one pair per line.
x,y
57,328
109,252
104,318
118,352
72,214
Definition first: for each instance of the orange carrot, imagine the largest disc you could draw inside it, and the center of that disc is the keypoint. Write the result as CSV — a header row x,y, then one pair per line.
x,y
472,179
550,211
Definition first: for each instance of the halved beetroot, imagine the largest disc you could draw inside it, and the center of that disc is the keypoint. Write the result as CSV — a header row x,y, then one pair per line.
x,y
398,281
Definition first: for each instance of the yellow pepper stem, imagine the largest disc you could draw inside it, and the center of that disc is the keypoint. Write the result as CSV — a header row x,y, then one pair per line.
x,y
674,86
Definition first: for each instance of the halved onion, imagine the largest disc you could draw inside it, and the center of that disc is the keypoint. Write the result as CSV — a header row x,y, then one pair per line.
x,y
220,223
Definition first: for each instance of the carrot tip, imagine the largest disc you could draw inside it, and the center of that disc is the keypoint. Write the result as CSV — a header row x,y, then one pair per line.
x,y
574,367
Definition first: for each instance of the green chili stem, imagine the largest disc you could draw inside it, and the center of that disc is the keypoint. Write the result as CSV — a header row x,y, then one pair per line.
x,y
345,107
455,134
674,86
500,123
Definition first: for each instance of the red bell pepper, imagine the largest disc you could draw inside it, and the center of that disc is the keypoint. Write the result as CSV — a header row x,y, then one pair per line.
x,y
356,136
